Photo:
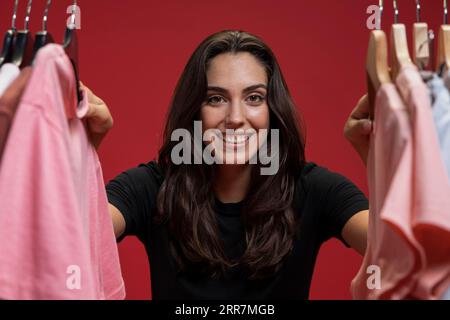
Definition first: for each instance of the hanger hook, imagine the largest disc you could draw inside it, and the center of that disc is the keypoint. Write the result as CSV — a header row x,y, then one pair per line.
x,y
45,18
27,18
394,2
14,17
445,12
418,10
381,5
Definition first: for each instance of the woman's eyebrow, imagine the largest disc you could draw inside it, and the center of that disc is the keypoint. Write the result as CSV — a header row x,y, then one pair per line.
x,y
251,88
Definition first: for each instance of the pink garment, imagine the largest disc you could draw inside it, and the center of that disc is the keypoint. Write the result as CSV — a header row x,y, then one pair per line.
x,y
431,189
57,235
391,245
409,227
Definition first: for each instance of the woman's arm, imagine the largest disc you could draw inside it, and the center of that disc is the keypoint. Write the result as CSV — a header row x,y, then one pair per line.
x,y
355,231
118,221
357,131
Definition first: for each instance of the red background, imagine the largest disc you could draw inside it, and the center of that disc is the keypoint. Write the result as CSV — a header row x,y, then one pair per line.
x,y
132,53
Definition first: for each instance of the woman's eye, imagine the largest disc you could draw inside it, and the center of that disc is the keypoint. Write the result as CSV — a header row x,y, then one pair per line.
x,y
256,98
215,100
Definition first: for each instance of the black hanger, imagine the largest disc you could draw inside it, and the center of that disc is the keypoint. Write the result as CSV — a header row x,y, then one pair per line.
x,y
71,46
43,37
23,43
6,53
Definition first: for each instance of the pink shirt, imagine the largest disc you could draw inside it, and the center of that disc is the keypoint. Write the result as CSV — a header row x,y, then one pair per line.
x,y
58,239
431,189
391,245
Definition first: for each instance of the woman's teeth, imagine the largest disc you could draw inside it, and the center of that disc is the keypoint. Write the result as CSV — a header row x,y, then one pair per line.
x,y
236,139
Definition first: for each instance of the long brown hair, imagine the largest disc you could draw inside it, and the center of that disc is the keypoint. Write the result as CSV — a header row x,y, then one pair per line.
x,y
186,201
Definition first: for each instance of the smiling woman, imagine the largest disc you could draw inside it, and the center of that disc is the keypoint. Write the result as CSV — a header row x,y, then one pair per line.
x,y
230,62
224,230
239,81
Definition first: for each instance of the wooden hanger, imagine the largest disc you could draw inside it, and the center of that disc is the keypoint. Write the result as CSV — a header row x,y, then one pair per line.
x,y
399,46
377,67
5,54
421,52
43,37
443,56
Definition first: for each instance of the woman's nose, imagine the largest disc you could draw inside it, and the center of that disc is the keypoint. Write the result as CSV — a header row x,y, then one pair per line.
x,y
236,115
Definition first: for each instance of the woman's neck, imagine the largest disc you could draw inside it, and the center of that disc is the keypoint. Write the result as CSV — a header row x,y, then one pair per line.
x,y
232,182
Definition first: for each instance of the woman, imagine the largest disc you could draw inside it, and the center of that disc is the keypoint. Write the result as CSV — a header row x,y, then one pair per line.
x,y
225,230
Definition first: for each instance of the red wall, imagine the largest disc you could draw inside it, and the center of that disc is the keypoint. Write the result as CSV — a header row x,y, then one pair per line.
x,y
132,53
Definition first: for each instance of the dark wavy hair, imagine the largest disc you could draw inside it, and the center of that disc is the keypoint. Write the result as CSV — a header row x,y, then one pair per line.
x,y
186,200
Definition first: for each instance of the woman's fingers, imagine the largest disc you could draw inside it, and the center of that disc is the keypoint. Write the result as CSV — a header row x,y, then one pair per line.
x,y
359,125
361,110
99,117
92,98
358,128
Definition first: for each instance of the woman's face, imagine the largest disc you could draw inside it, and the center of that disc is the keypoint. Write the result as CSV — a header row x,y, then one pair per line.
x,y
236,100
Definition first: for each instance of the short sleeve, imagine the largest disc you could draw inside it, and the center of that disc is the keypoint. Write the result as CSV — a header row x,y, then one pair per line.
x,y
134,193
338,199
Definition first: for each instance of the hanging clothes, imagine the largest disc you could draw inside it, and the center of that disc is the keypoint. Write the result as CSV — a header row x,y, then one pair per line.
x,y
440,98
59,239
446,295
409,227
8,73
9,102
431,189
392,247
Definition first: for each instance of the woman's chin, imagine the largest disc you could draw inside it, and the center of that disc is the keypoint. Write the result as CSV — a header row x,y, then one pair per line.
x,y
232,159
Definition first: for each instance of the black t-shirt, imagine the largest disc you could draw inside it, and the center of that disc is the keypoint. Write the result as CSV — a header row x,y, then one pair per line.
x,y
324,200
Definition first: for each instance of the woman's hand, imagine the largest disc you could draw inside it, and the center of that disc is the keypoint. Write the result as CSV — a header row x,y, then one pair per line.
x,y
99,118
358,128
